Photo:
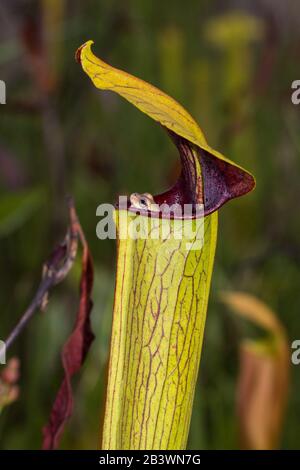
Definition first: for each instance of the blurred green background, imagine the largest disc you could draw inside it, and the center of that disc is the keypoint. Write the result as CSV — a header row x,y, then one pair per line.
x,y
231,64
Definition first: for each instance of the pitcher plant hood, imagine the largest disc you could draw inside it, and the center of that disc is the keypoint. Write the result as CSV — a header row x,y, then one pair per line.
x,y
207,176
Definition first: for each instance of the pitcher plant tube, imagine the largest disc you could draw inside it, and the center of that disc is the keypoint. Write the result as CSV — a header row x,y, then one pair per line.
x,y
162,284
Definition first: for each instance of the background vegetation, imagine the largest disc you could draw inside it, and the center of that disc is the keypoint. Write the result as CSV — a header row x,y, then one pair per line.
x,y
231,64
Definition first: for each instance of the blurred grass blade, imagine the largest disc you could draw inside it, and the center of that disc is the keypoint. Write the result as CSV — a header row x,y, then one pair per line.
x,y
264,375
17,208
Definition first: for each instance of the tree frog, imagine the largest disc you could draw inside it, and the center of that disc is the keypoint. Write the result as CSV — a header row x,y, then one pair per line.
x,y
143,201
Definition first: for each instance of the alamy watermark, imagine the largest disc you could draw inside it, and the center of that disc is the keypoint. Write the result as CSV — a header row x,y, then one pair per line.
x,y
295,358
2,92
2,352
296,94
176,221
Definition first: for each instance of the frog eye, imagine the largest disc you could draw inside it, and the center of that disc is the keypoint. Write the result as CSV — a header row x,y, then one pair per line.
x,y
143,202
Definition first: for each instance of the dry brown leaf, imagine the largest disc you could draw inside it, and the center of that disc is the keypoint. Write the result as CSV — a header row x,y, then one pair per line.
x,y
264,375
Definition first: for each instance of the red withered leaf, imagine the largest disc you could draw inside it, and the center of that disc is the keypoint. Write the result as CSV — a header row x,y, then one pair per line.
x,y
73,356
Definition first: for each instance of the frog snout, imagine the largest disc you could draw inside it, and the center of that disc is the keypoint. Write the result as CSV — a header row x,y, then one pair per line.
x,y
133,197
